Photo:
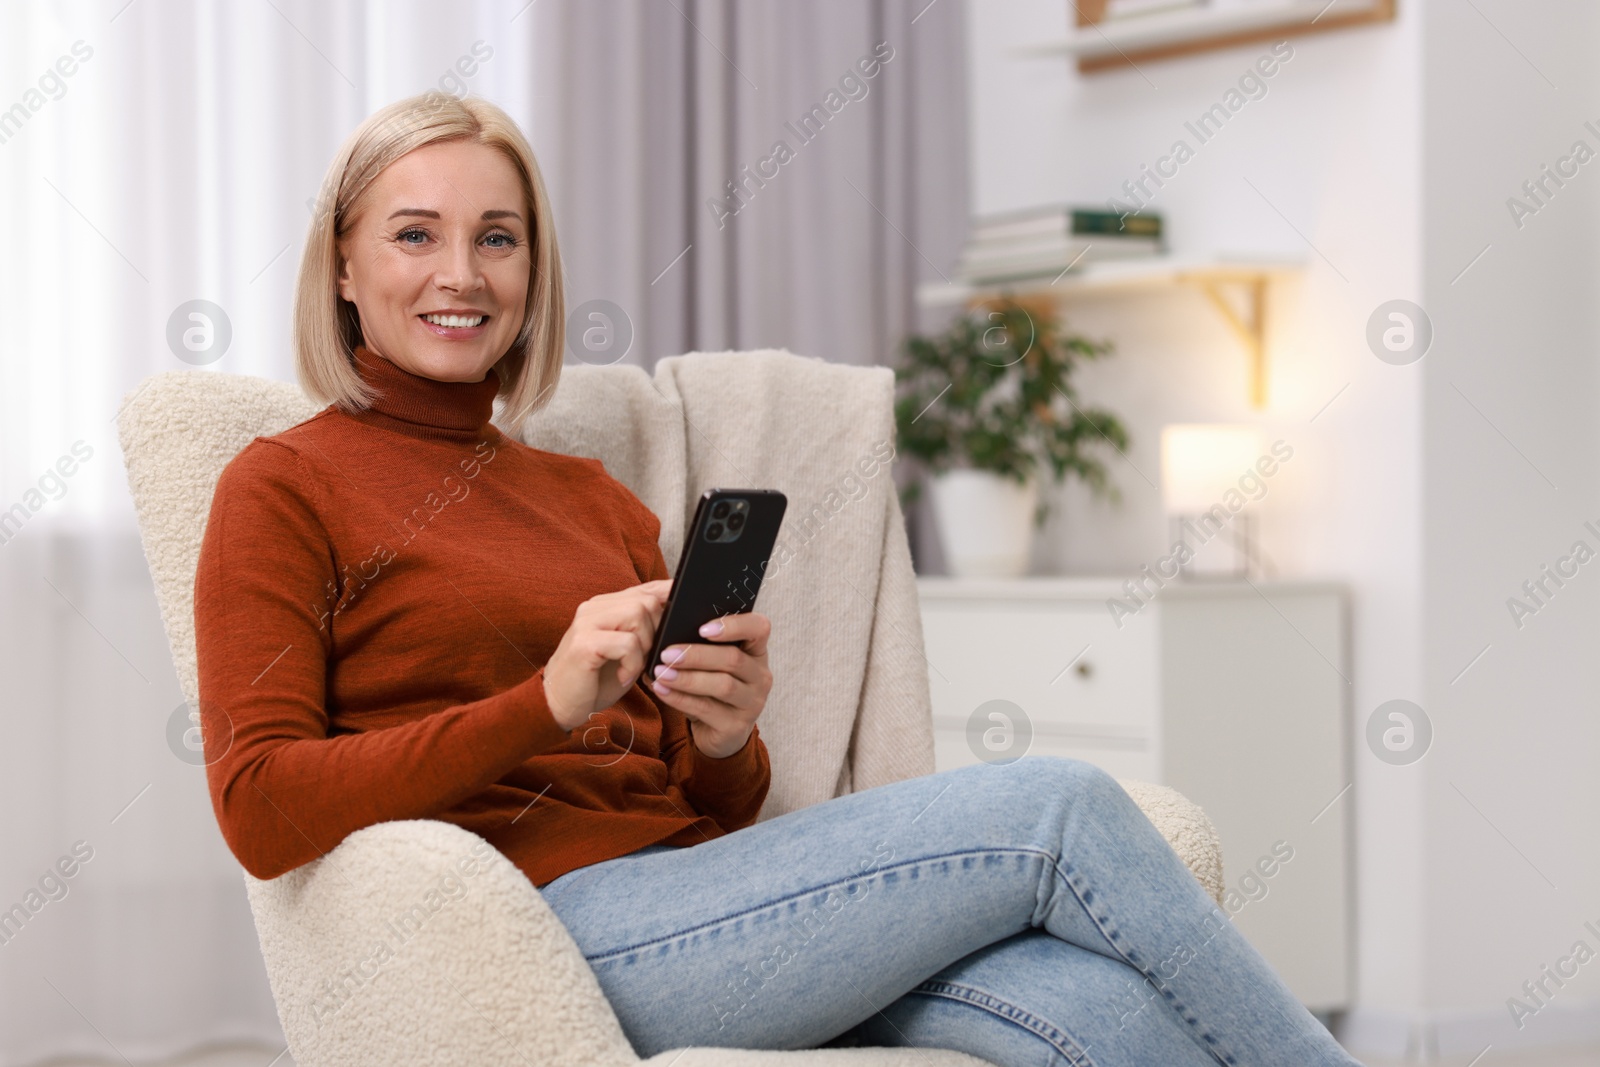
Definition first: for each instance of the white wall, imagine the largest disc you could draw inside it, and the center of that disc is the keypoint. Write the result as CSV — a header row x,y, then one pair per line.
x,y
1335,147
1512,788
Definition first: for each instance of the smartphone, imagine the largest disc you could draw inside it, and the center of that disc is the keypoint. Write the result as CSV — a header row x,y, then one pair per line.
x,y
724,558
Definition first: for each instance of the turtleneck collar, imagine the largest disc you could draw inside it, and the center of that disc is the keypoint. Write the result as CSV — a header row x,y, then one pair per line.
x,y
423,407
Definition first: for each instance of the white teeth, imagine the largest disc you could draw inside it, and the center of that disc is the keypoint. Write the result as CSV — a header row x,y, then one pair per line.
x,y
454,320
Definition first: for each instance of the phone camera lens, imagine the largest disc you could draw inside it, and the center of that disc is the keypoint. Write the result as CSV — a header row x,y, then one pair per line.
x,y
736,520
714,531
719,510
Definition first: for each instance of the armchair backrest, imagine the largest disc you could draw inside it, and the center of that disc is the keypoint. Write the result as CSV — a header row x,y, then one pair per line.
x,y
849,707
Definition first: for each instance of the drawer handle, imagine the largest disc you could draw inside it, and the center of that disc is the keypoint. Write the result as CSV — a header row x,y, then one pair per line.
x,y
1084,669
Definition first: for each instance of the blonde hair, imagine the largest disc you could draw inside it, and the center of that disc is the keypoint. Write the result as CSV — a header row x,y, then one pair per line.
x,y
326,326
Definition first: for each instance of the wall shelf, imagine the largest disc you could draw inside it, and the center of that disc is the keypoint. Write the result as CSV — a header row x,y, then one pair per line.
x,y
1124,42
1236,288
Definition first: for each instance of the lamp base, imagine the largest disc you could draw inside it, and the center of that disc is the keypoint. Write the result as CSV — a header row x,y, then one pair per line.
x,y
1218,551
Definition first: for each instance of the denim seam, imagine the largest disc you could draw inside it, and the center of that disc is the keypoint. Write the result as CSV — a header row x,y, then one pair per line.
x,y
984,1000
602,957
1107,930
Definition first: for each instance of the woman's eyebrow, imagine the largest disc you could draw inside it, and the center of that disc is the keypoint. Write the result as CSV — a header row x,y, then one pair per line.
x,y
430,214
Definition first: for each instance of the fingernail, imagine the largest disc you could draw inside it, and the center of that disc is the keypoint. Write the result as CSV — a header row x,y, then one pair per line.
x,y
658,687
712,628
665,673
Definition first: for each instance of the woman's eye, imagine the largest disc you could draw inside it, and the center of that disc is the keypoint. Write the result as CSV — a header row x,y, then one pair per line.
x,y
509,240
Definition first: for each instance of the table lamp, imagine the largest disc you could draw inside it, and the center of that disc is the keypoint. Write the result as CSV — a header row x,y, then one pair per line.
x,y
1208,479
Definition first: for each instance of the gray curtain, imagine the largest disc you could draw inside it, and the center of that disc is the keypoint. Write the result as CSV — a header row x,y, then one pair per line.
x,y
851,189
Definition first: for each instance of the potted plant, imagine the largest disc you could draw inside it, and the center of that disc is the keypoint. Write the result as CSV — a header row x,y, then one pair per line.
x,y
986,406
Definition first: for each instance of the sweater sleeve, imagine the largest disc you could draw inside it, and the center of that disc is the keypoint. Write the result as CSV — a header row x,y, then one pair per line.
x,y
732,789
284,792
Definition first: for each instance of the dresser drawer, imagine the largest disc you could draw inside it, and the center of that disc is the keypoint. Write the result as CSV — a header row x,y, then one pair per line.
x,y
1076,677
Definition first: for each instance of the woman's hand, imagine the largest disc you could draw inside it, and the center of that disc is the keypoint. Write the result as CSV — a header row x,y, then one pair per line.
x,y
721,688
602,653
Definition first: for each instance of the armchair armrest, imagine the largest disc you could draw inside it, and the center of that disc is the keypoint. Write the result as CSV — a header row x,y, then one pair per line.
x,y
1187,829
419,938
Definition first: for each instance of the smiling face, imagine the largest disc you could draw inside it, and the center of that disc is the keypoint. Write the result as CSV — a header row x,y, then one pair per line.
x,y
444,229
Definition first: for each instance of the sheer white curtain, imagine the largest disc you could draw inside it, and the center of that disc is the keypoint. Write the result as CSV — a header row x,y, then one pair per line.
x,y
152,152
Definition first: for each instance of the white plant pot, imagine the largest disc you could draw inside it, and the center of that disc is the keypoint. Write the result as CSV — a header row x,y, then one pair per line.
x,y
985,522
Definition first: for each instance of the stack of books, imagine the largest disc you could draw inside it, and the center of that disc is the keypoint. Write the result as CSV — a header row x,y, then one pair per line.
x,y
1049,240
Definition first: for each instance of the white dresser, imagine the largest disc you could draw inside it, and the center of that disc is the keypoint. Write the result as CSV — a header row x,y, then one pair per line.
x,y
1233,693
1085,688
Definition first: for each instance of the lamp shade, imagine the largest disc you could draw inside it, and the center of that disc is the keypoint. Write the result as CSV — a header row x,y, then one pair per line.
x,y
1202,461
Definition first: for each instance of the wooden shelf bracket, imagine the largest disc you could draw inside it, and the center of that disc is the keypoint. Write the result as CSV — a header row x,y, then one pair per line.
x,y
1248,325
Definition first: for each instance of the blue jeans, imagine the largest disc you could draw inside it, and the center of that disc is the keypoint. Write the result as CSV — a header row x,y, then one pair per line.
x,y
1027,913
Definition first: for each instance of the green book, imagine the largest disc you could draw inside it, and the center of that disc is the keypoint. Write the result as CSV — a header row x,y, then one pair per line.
x,y
1115,224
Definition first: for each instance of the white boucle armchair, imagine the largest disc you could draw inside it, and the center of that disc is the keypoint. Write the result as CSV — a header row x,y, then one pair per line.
x,y
416,942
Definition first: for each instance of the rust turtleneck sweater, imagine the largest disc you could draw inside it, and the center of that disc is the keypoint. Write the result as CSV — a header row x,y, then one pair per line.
x,y
375,593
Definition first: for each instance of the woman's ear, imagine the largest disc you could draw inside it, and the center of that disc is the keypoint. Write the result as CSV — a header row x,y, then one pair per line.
x,y
344,278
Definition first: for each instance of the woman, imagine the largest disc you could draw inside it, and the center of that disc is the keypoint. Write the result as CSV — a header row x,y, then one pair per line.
x,y
402,613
